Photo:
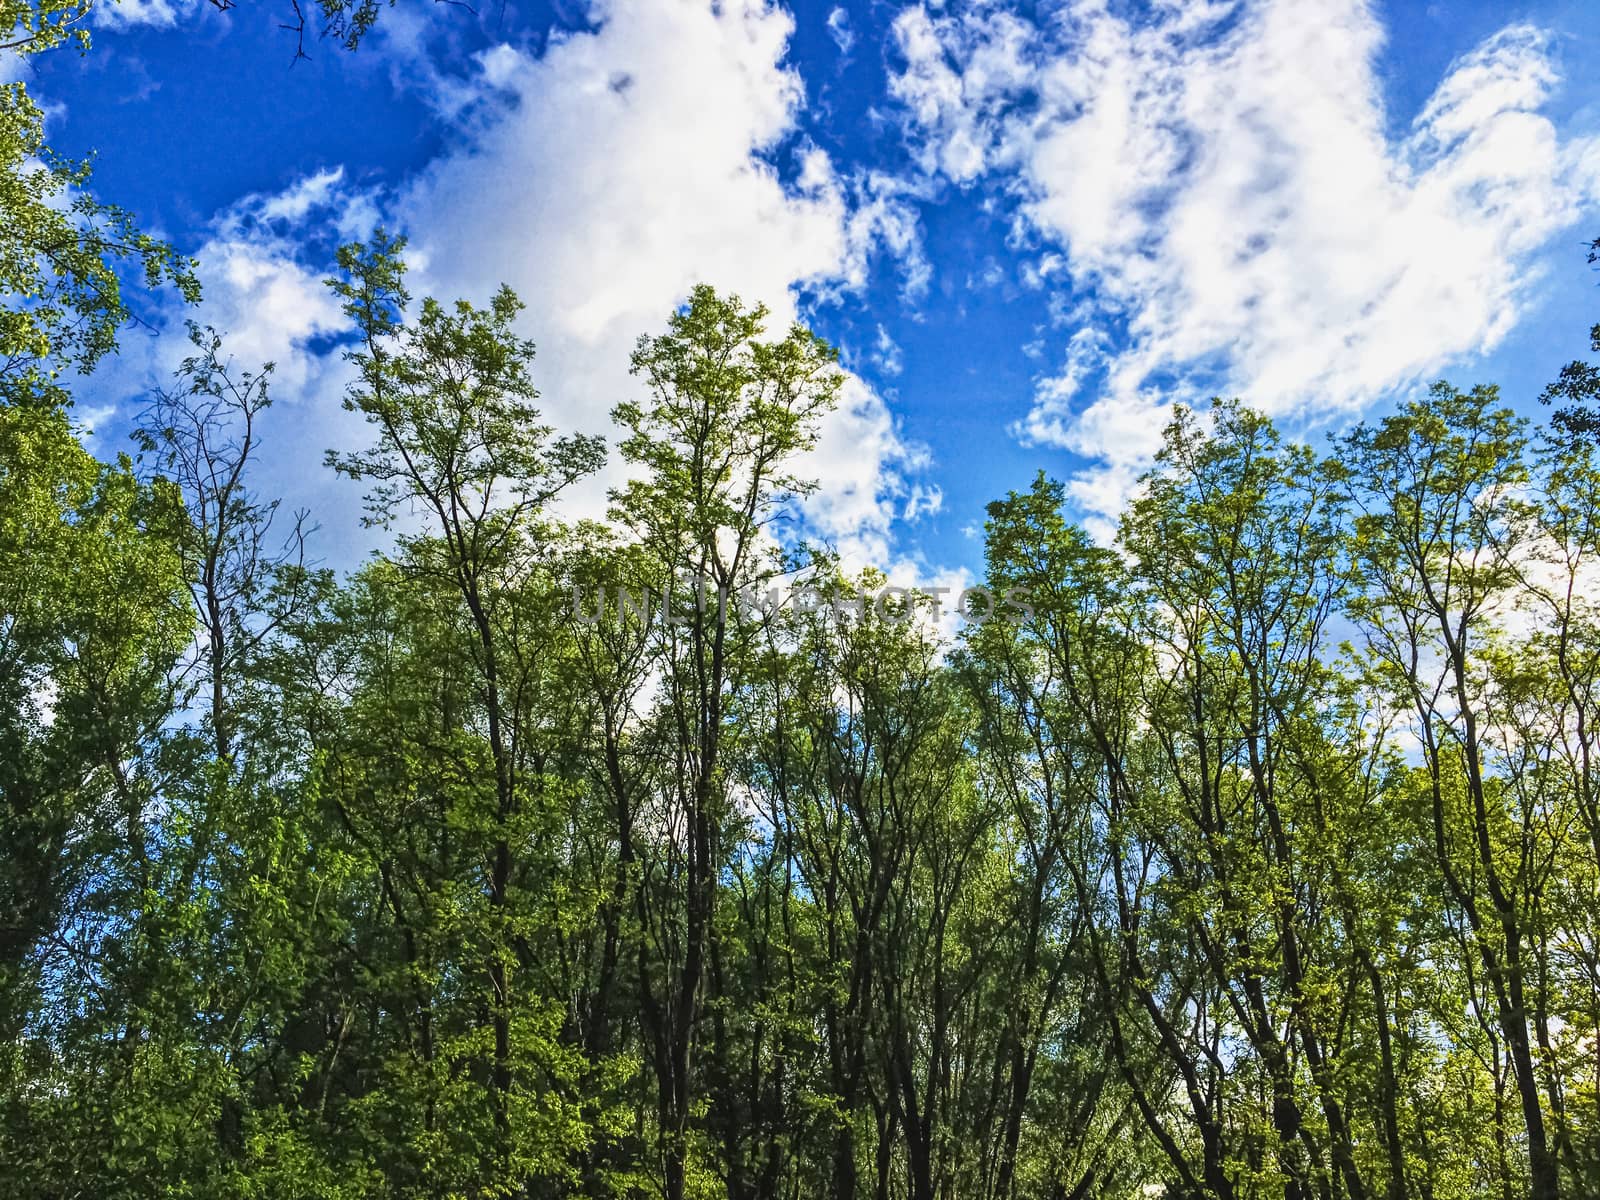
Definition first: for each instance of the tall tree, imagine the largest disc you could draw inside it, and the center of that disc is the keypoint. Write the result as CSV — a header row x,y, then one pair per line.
x,y
714,439
1578,385
1440,529
451,399
203,434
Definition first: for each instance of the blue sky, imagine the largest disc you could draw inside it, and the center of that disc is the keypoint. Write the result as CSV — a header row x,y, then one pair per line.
x,y
1028,227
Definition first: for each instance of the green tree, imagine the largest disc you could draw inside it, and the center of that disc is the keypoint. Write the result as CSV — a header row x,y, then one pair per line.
x,y
1440,531
450,397
714,439
91,623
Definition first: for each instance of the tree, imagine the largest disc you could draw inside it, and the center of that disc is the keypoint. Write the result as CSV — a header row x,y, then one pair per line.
x,y
723,417
203,434
91,622
1040,754
1440,531
452,402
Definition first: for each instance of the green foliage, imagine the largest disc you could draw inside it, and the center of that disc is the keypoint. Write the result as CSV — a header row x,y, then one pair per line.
x,y
32,26
452,402
91,626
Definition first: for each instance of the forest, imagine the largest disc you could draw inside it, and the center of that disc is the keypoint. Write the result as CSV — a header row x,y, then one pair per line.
x,y
1257,856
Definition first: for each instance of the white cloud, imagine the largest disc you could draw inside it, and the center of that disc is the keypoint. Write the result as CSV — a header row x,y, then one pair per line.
x,y
607,176
270,305
887,354
90,419
163,14
924,500
1232,206
296,201
863,468
258,289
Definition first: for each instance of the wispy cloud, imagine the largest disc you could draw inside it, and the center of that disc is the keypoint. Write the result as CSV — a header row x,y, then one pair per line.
x,y
839,30
1231,210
